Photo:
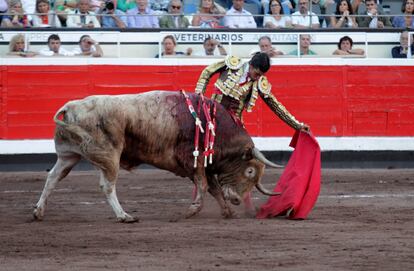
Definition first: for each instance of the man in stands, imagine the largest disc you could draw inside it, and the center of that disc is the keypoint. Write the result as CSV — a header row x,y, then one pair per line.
x,y
112,17
82,17
142,16
403,50
304,45
212,47
303,18
238,17
175,17
88,47
265,45
54,48
373,18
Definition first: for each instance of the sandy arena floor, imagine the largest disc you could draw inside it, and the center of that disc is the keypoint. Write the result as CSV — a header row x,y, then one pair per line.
x,y
363,220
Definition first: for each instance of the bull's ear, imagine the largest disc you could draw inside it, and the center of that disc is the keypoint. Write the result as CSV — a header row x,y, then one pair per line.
x,y
247,154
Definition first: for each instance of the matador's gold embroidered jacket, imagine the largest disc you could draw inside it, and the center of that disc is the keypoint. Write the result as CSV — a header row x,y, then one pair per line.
x,y
232,69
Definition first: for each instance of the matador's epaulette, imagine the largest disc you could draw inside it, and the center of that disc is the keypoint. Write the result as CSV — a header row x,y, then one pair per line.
x,y
264,85
233,62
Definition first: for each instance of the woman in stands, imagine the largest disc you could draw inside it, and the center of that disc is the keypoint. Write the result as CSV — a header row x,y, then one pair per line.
x,y
209,15
17,18
44,17
343,18
17,47
276,18
168,44
406,20
345,48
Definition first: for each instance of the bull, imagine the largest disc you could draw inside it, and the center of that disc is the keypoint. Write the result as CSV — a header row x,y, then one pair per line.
x,y
155,128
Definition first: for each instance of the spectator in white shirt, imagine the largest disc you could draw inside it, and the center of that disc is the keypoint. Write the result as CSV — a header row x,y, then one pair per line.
x,y
88,47
212,47
238,17
303,18
54,48
82,17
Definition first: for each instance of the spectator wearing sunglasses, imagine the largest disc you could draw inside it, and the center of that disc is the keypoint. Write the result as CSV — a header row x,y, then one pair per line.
x,y
175,17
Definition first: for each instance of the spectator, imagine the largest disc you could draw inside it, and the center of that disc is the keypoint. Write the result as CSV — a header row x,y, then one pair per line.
x,y
265,46
44,16
209,15
238,17
17,17
303,18
82,17
406,20
210,46
88,47
276,18
112,17
54,48
304,44
169,43
344,16
345,47
17,47
373,20
3,8
288,6
175,17
402,51
142,16
125,5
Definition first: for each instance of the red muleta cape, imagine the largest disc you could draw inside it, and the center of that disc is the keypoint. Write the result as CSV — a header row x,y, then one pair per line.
x,y
300,182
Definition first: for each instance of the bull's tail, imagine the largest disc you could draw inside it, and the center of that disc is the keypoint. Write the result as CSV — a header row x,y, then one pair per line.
x,y
62,111
65,119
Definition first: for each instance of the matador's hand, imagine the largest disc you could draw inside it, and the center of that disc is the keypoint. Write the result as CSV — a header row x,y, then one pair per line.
x,y
305,128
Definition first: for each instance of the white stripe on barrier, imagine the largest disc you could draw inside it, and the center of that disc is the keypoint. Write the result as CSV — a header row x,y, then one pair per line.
x,y
263,143
192,61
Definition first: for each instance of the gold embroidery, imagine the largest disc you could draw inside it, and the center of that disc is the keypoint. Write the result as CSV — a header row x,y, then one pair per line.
x,y
233,62
229,86
264,85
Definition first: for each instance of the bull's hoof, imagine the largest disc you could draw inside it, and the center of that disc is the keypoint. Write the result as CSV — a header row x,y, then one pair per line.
x,y
193,210
37,214
128,219
228,213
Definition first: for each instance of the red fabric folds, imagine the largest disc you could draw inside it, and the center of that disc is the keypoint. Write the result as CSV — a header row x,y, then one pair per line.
x,y
300,182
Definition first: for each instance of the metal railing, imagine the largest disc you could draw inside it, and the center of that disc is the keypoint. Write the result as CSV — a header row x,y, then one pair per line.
x,y
258,17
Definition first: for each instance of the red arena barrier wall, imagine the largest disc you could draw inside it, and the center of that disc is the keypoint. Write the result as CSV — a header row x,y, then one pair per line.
x,y
334,100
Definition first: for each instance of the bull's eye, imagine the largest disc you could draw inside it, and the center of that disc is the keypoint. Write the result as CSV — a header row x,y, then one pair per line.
x,y
250,172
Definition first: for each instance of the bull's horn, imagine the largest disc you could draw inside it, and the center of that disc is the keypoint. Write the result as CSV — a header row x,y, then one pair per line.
x,y
259,156
265,191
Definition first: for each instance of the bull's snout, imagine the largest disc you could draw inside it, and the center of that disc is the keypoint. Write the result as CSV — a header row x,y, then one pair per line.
x,y
232,196
235,201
